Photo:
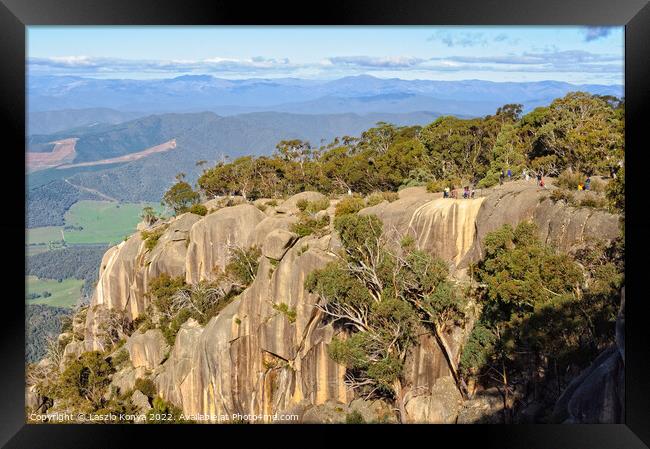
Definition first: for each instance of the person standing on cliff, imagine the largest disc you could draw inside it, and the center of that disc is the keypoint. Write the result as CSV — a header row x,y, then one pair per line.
x,y
539,179
588,183
501,178
509,174
445,193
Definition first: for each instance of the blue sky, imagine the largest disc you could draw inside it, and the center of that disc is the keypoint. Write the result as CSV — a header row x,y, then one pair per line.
x,y
573,54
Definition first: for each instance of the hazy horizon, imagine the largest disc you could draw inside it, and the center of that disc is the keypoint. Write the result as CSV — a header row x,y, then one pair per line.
x,y
573,54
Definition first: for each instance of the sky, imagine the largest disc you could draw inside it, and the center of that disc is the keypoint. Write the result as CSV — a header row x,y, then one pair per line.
x,y
579,55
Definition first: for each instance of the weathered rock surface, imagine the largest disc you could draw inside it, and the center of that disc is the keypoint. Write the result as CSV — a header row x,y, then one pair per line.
x,y
212,238
147,350
277,243
140,401
267,351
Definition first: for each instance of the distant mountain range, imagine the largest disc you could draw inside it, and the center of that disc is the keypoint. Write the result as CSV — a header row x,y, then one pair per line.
x,y
357,94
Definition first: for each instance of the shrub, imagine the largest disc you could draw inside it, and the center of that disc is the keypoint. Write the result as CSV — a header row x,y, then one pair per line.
x,y
198,209
85,380
569,180
594,201
272,203
436,186
349,205
307,226
354,417
598,186
374,198
163,288
261,207
146,387
311,207
243,264
151,237
120,358
285,310
562,195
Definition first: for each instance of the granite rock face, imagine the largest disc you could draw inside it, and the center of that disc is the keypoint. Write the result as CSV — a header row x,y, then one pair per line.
x,y
267,350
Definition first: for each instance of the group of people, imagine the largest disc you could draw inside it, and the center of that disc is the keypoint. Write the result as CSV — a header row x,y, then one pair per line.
x,y
585,185
467,193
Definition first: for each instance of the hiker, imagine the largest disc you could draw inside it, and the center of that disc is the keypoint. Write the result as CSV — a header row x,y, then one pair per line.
x,y
525,174
509,174
588,183
501,178
539,180
445,193
473,193
466,192
580,186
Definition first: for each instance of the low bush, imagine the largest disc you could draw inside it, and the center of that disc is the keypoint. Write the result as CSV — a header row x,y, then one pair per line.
x,y
287,311
436,186
563,195
569,180
146,387
198,209
311,207
151,237
349,205
307,226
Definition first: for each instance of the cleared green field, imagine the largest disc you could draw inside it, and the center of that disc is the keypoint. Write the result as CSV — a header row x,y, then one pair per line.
x,y
44,235
102,222
64,294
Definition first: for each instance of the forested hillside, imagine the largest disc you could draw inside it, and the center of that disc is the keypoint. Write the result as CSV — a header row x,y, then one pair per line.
x,y
78,262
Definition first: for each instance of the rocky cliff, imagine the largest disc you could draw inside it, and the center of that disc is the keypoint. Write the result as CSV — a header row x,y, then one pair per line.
x,y
252,358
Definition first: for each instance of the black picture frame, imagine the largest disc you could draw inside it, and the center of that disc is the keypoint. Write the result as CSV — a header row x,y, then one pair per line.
x,y
15,15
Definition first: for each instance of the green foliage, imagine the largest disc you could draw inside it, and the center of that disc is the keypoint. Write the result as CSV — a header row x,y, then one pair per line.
x,y
563,195
162,289
243,264
436,186
180,197
84,381
349,205
311,207
354,417
477,351
615,192
580,131
152,236
378,197
570,180
593,201
198,209
120,358
382,299
164,412
287,311
146,387
542,311
307,225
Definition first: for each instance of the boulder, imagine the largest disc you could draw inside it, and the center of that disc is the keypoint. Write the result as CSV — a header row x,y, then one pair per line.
x,y
486,407
147,350
290,206
440,406
277,243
